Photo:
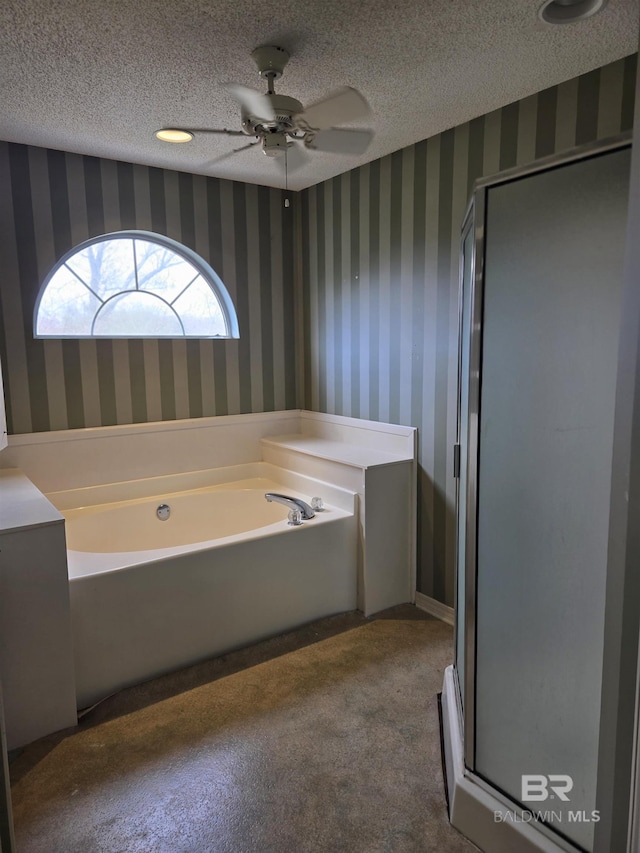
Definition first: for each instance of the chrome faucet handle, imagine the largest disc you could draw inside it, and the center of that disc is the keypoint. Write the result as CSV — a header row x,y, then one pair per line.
x,y
295,517
293,503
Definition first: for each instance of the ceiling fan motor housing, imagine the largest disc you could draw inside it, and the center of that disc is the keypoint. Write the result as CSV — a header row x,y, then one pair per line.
x,y
284,107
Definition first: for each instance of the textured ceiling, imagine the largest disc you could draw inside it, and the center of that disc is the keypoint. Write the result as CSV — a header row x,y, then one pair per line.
x,y
100,76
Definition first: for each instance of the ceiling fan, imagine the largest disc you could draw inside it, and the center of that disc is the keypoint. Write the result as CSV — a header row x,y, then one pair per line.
x,y
282,127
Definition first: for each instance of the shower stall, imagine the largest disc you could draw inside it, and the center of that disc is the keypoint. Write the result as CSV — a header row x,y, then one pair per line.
x,y
527,718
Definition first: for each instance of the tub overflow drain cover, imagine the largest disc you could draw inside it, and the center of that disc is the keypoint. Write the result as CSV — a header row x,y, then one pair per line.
x,y
163,512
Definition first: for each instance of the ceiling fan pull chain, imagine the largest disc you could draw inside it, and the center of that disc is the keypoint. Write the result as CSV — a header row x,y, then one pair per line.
x,y
286,174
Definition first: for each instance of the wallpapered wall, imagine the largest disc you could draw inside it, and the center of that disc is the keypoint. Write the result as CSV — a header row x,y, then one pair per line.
x,y
373,268
380,278
51,201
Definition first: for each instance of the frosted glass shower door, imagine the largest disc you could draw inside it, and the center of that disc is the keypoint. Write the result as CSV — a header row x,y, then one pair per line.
x,y
554,244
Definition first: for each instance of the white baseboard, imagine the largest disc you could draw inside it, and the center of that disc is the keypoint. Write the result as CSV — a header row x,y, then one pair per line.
x,y
435,608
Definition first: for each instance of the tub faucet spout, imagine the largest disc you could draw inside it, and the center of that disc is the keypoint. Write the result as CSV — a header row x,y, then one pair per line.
x,y
292,503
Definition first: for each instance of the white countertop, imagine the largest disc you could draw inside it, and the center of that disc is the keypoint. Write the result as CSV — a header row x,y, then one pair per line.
x,y
22,505
359,456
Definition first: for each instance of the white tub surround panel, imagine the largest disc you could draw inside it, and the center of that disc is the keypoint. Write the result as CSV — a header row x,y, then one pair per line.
x,y
387,524
36,656
70,459
144,613
375,460
360,555
378,462
138,623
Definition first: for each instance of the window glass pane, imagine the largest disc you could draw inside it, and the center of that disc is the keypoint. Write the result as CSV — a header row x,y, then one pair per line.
x,y
66,306
85,294
200,311
137,314
162,271
106,267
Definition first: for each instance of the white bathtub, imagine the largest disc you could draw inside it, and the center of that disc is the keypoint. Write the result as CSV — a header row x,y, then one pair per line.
x,y
225,570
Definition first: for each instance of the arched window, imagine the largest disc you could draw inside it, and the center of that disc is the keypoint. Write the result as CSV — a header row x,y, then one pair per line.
x,y
133,284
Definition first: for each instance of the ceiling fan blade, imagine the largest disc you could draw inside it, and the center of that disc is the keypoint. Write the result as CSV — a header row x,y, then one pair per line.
x,y
341,106
255,103
221,130
338,141
227,154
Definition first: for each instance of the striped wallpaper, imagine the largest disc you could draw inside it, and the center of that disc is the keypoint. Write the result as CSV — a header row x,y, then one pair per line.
x,y
380,278
51,201
347,300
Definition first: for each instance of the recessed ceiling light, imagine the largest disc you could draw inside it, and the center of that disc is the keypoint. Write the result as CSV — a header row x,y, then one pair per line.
x,y
568,11
171,135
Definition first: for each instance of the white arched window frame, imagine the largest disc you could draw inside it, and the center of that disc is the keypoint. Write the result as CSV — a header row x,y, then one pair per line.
x,y
133,284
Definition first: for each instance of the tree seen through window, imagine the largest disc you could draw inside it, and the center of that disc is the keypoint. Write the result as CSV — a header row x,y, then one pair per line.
x,y
133,284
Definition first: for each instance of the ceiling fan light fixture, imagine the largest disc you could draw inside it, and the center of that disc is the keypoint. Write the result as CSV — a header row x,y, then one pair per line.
x,y
569,11
172,135
274,144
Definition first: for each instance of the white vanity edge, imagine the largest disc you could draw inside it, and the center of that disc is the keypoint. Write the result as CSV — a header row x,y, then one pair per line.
x,y
22,505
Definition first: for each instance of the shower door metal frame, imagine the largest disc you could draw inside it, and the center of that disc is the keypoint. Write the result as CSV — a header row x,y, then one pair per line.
x,y
476,213
465,606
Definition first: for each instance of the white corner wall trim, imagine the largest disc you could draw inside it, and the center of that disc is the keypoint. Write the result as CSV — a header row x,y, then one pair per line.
x,y
472,808
435,608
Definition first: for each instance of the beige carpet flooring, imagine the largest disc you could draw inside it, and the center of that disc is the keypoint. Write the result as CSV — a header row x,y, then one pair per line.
x,y
325,739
